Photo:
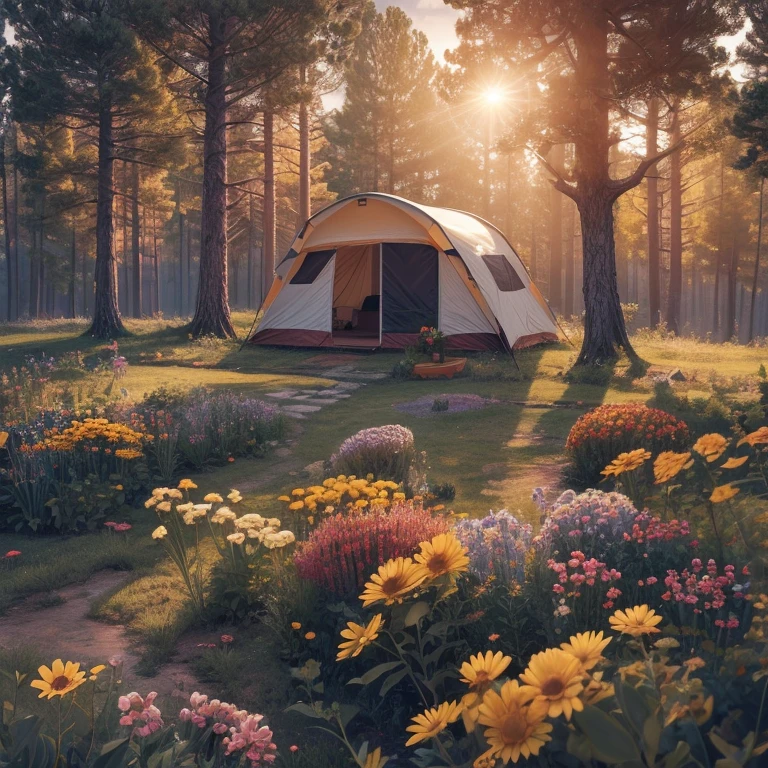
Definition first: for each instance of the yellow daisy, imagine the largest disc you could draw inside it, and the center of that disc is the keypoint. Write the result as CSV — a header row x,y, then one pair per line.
x,y
711,446
186,484
482,668
393,581
59,679
669,464
443,555
554,678
734,463
358,637
587,647
640,620
515,728
723,493
626,462
432,721
375,760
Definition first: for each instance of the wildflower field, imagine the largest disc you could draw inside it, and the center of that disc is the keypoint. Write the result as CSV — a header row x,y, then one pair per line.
x,y
572,575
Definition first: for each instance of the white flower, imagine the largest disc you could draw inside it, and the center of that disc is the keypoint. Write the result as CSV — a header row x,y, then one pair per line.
x,y
164,506
160,532
182,508
149,503
234,496
221,516
236,538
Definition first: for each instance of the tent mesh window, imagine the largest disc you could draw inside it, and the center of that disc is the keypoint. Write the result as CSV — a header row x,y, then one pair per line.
x,y
410,287
314,263
503,273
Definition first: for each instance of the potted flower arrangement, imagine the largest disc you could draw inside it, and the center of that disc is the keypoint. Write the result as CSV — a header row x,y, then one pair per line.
x,y
433,342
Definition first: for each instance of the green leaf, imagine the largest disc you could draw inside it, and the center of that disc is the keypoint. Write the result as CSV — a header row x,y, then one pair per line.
x,y
610,741
391,681
678,756
113,754
347,712
304,709
727,762
417,612
372,674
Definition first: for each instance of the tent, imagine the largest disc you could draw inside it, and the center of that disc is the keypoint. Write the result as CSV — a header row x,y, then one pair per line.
x,y
372,269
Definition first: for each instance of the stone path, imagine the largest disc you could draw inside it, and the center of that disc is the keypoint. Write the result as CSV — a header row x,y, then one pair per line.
x,y
300,403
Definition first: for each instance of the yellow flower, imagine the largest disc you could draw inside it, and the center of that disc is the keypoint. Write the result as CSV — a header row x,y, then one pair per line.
x,y
186,484
213,498
626,462
298,492
515,728
432,721
296,505
164,506
723,493
760,437
160,532
668,464
711,446
636,621
587,647
149,503
96,671
296,625
358,637
554,678
236,538
734,463
399,496
361,504
310,636
375,760
393,581
283,498
118,487
59,680
443,555
3,439
482,668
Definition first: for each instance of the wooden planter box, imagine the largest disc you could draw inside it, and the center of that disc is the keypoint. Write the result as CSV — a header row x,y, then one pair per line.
x,y
447,368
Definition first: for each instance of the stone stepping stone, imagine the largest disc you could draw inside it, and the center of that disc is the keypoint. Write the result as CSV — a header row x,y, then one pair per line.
x,y
301,408
336,395
364,376
321,401
347,386
283,394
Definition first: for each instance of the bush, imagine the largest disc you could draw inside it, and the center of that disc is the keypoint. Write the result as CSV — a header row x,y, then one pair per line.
x,y
343,551
386,452
608,430
497,546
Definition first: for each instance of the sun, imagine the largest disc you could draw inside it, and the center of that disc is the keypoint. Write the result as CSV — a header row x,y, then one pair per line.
x,y
493,95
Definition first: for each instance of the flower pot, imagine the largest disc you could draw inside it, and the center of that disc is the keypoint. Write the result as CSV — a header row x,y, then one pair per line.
x,y
447,368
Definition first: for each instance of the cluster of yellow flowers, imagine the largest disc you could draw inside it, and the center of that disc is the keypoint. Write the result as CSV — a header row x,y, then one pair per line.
x,y
347,491
62,678
88,432
669,464
556,682
248,526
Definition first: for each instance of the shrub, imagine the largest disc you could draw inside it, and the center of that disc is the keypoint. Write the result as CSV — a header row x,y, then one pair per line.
x,y
342,552
604,432
386,452
497,546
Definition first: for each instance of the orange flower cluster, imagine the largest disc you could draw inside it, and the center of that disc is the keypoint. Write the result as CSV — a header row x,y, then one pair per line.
x,y
93,433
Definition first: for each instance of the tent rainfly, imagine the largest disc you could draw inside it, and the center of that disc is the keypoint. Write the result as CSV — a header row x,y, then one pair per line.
x,y
372,269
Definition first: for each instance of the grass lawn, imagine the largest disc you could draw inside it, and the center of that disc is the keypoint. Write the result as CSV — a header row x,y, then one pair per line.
x,y
494,456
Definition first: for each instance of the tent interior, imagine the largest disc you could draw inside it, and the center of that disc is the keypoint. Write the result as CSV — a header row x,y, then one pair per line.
x,y
357,296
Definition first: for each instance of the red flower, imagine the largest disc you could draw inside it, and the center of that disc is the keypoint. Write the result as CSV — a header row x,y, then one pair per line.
x,y
12,553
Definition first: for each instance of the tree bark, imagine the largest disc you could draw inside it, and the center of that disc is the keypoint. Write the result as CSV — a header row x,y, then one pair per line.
x,y
652,191
674,294
156,262
269,237
756,273
181,249
304,157
136,260
107,322
251,246
730,312
570,266
72,271
212,316
7,230
719,255
557,159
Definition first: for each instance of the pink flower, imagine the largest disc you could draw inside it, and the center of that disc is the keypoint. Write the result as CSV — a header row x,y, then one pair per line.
x,y
293,748
227,639
122,527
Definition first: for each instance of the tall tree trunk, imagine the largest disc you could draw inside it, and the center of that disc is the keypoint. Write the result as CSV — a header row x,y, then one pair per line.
x,y
7,230
156,263
181,249
719,255
212,316
756,273
570,266
252,245
136,260
304,156
557,159
34,268
14,221
86,284
730,312
674,294
652,190
72,270
604,328
107,322
268,217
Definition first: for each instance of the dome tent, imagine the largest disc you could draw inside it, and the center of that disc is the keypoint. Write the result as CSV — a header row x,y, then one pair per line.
x,y
372,269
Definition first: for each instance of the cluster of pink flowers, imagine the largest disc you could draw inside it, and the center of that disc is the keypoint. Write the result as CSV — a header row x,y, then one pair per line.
x,y
647,529
579,572
243,732
140,713
343,551
118,527
708,589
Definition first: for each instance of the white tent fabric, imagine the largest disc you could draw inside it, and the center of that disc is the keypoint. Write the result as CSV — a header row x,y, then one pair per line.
x,y
469,304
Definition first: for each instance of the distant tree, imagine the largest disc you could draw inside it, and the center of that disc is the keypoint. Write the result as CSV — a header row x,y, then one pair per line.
x,y
609,55
224,53
75,60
